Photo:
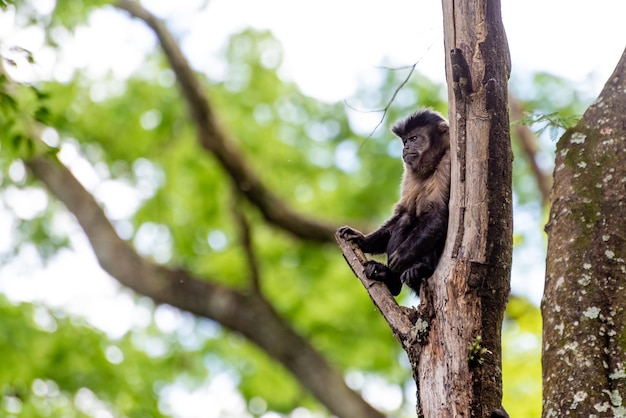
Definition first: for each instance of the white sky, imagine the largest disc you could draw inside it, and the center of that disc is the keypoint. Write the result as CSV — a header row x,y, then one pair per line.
x,y
327,42
330,46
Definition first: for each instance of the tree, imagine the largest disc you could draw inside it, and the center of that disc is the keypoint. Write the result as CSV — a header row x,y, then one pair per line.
x,y
453,338
584,349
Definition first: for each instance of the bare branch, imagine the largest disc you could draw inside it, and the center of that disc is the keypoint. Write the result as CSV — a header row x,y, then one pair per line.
x,y
215,140
410,326
396,316
393,96
385,109
248,314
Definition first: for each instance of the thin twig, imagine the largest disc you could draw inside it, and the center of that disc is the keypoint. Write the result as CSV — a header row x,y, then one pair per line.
x,y
385,109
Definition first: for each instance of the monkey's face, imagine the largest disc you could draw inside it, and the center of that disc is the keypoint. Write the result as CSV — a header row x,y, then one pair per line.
x,y
415,144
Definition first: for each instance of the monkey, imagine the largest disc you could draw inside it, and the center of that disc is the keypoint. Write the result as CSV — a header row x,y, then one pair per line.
x,y
414,237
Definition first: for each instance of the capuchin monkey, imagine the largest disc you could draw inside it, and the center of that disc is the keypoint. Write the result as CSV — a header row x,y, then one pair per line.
x,y
414,237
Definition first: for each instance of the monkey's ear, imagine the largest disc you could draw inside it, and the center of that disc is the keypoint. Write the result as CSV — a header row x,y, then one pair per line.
x,y
443,127
398,129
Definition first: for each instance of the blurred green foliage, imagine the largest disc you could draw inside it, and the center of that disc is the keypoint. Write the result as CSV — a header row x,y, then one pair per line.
x,y
57,366
521,359
137,133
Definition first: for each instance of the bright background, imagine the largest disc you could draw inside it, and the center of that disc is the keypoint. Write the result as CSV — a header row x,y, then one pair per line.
x,y
331,47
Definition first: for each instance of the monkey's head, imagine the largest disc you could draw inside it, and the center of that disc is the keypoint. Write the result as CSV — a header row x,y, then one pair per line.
x,y
425,137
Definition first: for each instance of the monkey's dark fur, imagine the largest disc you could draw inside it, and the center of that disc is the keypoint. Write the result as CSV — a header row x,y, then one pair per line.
x,y
414,236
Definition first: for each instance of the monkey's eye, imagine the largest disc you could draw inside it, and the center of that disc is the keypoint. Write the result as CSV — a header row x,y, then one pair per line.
x,y
415,138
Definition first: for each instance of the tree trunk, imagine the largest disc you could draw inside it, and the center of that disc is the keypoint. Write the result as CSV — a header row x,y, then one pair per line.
x,y
584,334
453,338
460,372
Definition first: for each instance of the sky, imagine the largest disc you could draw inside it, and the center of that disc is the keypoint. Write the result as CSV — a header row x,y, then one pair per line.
x,y
330,47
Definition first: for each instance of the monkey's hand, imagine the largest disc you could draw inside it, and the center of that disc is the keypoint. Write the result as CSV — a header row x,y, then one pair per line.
x,y
350,234
375,270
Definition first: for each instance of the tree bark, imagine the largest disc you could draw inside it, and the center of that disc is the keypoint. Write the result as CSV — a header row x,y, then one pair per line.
x,y
460,370
584,326
453,338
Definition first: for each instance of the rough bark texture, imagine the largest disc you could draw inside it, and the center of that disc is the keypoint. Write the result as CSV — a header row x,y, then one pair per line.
x,y
460,367
453,338
248,313
584,329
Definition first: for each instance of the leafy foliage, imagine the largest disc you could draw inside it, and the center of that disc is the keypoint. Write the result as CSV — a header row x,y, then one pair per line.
x,y
5,3
60,367
552,122
19,108
138,135
70,13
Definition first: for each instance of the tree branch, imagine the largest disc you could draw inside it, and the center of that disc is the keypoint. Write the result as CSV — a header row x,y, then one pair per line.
x,y
215,140
401,320
385,109
246,242
397,90
248,314
410,326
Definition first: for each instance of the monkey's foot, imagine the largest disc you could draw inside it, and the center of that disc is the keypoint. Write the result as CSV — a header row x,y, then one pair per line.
x,y
414,276
380,272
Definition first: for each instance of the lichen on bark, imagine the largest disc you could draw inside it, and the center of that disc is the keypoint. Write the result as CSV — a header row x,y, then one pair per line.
x,y
585,296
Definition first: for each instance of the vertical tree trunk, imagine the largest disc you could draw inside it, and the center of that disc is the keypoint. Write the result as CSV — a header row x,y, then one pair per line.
x,y
584,334
453,338
460,366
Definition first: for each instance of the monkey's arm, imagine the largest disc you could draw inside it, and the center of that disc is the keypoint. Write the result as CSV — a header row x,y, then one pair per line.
x,y
374,243
426,237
